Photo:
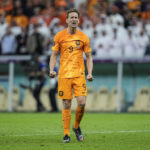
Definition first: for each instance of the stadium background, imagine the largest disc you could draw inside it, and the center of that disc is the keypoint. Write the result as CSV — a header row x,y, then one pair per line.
x,y
119,31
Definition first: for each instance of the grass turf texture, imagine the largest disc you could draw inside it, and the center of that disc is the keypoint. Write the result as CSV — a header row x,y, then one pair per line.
x,y
43,131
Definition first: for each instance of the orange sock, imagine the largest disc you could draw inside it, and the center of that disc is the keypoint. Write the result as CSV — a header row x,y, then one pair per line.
x,y
66,117
78,116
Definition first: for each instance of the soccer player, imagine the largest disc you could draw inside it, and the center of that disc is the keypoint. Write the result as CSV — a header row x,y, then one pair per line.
x,y
71,43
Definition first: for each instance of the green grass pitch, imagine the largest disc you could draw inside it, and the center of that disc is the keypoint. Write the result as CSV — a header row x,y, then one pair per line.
x,y
43,131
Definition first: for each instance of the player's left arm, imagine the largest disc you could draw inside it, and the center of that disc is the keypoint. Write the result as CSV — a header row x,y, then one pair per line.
x,y
89,64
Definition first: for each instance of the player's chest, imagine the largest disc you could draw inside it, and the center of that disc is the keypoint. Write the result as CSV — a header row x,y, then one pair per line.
x,y
72,45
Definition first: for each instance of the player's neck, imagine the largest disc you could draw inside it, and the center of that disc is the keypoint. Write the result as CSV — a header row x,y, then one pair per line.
x,y
72,30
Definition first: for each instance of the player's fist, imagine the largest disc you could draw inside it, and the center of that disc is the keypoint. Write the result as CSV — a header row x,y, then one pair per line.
x,y
89,77
52,74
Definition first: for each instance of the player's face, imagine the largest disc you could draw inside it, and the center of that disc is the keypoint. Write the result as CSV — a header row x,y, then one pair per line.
x,y
73,20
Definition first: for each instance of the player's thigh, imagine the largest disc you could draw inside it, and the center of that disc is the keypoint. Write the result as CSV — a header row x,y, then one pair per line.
x,y
80,87
64,88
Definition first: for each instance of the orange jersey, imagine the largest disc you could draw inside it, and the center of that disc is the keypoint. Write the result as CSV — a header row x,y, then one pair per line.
x,y
71,48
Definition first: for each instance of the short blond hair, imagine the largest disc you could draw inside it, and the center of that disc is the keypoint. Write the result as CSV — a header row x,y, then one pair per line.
x,y
73,10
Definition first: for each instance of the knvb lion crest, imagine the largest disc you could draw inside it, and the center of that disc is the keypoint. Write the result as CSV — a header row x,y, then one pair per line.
x,y
77,42
61,93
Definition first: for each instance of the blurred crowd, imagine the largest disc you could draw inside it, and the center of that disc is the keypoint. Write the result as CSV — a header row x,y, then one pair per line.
x,y
116,28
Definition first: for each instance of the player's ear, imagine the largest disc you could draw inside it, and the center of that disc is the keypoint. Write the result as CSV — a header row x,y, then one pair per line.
x,y
78,21
67,20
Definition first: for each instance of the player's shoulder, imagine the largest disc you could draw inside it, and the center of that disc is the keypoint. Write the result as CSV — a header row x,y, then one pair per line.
x,y
83,34
61,33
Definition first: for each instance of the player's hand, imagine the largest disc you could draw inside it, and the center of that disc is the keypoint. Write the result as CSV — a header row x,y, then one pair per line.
x,y
89,77
52,74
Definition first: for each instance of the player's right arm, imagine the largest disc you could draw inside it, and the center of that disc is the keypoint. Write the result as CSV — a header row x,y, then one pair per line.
x,y
52,64
53,58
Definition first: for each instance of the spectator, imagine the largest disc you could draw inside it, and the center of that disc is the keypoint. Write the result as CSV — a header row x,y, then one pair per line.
x,y
115,16
6,5
20,18
142,42
120,4
147,28
146,14
61,15
143,5
135,26
36,17
132,5
48,16
35,42
147,50
38,4
91,5
122,32
70,4
101,45
88,28
127,15
8,43
15,29
96,15
43,29
130,45
115,45
22,41
104,25
55,26
93,42
28,10
17,5
38,75
60,3
3,24
45,32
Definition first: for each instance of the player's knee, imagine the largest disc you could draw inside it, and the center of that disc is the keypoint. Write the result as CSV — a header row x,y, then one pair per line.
x,y
67,104
81,105
81,101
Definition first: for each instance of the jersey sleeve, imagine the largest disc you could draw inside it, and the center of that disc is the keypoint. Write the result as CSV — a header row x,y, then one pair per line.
x,y
55,46
87,48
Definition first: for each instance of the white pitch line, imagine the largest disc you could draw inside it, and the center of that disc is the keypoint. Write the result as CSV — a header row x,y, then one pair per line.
x,y
120,131
89,132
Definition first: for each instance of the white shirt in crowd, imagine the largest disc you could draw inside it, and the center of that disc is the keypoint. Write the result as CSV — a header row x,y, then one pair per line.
x,y
115,45
101,45
88,28
3,27
8,44
130,46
